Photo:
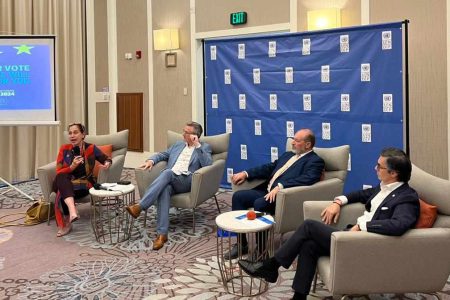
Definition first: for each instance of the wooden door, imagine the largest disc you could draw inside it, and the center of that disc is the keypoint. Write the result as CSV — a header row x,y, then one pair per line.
x,y
130,116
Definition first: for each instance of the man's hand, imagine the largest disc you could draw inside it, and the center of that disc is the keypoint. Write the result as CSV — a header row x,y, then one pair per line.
x,y
194,140
238,178
272,195
331,213
147,165
355,228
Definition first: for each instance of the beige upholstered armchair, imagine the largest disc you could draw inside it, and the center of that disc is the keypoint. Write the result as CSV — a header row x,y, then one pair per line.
x,y
119,142
366,263
205,181
289,202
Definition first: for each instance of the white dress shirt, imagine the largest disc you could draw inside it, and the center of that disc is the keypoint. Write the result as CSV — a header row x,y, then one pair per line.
x,y
181,166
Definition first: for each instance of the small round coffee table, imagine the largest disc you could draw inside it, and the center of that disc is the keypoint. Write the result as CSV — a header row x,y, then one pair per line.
x,y
109,219
260,246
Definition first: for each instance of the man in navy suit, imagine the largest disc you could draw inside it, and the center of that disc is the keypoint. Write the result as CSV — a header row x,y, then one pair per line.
x,y
391,209
183,158
304,167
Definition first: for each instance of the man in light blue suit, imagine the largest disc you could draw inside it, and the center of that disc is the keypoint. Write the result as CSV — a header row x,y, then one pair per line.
x,y
183,158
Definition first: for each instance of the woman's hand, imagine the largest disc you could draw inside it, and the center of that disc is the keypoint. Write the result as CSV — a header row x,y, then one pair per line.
x,y
106,165
77,160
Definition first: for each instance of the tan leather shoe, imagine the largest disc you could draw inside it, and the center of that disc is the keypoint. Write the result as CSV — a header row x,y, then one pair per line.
x,y
159,242
134,210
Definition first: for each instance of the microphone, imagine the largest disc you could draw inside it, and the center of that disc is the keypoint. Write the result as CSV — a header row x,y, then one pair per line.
x,y
76,151
98,186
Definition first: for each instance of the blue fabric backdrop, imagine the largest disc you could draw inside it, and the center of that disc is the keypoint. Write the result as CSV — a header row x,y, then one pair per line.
x,y
346,85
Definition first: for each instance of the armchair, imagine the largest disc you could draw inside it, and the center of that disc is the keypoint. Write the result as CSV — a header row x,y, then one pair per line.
x,y
368,263
119,142
289,201
205,181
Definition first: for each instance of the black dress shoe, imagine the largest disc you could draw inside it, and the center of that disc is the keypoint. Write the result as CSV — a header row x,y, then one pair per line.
x,y
259,269
233,254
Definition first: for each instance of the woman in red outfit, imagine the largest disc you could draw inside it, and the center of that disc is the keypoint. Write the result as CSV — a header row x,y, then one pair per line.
x,y
74,175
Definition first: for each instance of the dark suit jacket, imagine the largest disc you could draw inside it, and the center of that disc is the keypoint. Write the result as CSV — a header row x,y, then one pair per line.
x,y
397,213
305,171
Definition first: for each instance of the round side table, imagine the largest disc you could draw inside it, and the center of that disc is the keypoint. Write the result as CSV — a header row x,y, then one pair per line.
x,y
109,219
260,246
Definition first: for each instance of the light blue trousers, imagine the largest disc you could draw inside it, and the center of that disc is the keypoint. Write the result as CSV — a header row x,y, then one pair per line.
x,y
164,186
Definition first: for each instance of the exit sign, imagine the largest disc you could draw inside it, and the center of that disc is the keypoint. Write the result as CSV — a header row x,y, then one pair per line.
x,y
238,18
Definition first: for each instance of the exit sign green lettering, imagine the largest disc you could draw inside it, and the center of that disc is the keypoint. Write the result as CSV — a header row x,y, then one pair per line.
x,y
238,18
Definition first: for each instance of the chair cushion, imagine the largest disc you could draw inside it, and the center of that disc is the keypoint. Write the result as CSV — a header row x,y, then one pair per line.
x,y
107,150
428,214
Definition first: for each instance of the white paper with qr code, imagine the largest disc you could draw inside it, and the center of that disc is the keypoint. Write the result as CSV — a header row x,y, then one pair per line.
x,y
214,101
256,76
241,51
387,103
273,154
386,40
229,174
213,51
258,129
366,132
273,101
345,102
290,129
325,73
272,49
306,46
243,152
227,75
344,43
307,102
229,125
242,101
326,131
365,72
289,75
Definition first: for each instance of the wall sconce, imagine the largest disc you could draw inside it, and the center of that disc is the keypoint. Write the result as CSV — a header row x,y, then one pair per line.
x,y
324,19
167,40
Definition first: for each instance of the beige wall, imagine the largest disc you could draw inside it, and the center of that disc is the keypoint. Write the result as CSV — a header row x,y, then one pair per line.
x,y
101,45
132,34
350,11
213,15
428,77
172,109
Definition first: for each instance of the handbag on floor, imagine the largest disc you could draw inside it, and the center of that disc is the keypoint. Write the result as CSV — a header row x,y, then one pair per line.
x,y
38,212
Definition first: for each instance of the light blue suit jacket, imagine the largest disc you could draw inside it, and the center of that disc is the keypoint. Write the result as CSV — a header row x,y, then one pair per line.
x,y
201,157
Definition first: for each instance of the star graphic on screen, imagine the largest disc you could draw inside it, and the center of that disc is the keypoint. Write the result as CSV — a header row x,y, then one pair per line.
x,y
23,49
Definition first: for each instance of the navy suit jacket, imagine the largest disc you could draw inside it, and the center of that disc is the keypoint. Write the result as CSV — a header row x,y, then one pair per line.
x,y
305,171
397,213
201,156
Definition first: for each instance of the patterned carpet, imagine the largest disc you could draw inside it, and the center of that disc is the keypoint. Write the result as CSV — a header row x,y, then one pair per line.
x,y
35,264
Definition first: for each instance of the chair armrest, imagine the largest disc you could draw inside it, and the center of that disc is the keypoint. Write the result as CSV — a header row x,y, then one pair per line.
x,y
366,263
46,175
206,181
289,202
247,185
114,172
144,178
349,213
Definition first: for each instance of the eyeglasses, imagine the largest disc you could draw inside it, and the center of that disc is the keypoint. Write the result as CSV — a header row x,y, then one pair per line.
x,y
378,167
